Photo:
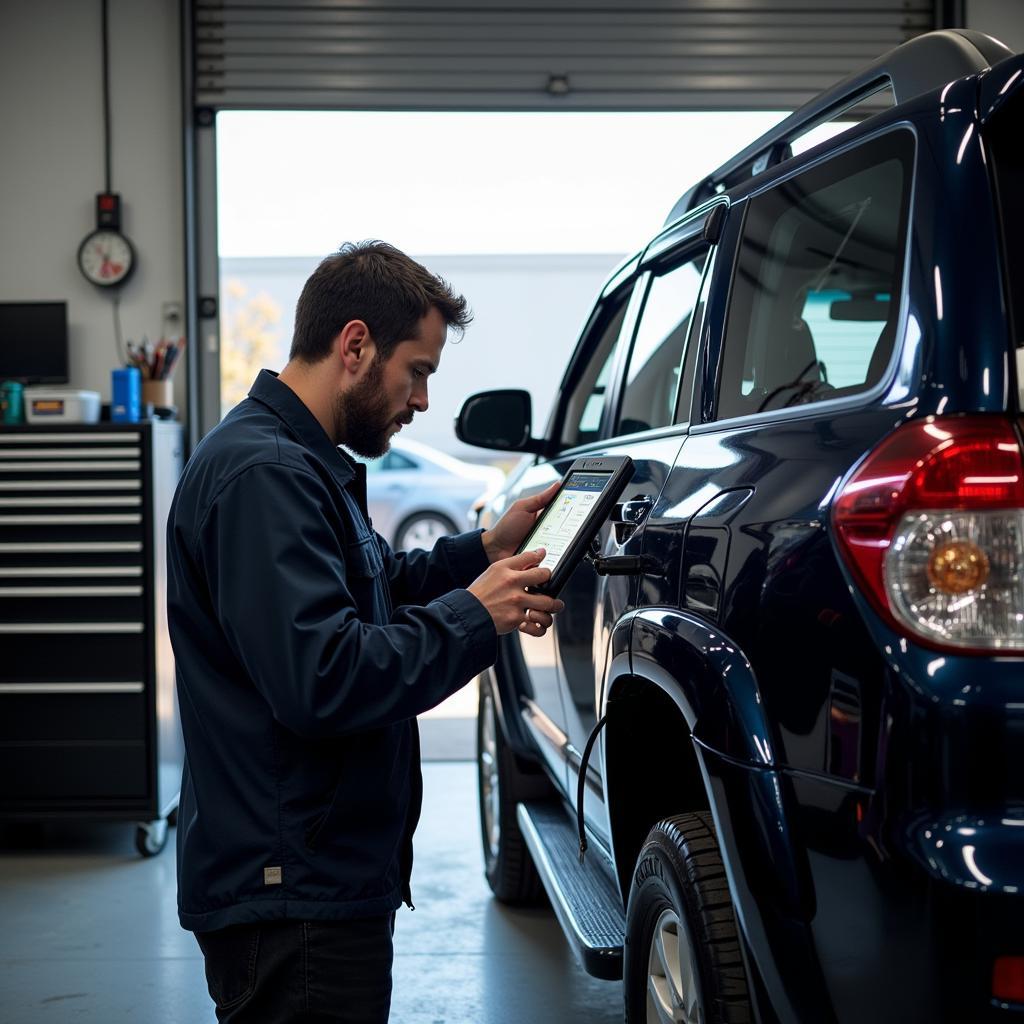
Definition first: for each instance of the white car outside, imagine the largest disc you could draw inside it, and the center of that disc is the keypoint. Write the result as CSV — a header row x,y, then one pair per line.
x,y
417,494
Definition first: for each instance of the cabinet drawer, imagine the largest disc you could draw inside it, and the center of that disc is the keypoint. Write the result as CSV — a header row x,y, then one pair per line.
x,y
69,603
61,771
73,711
20,531
61,655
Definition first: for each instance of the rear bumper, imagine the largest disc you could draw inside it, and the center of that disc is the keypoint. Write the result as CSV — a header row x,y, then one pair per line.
x,y
844,923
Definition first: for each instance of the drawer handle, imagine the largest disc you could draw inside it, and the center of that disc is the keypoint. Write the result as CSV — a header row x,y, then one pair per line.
x,y
79,501
34,571
70,627
64,453
72,687
38,547
128,591
77,438
73,467
70,485
91,520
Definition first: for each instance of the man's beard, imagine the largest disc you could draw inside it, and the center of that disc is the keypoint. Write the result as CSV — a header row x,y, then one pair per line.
x,y
362,418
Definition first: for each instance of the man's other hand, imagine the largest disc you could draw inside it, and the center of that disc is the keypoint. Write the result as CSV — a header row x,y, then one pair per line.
x,y
502,591
511,529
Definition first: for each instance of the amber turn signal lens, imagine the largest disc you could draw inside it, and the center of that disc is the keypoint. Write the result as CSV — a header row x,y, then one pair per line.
x,y
958,566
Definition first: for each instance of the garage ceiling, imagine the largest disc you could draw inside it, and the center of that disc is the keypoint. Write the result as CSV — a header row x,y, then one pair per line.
x,y
537,54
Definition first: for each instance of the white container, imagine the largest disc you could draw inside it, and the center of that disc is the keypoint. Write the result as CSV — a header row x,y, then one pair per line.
x,y
61,405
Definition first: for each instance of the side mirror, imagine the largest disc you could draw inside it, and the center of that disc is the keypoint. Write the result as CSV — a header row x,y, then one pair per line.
x,y
498,419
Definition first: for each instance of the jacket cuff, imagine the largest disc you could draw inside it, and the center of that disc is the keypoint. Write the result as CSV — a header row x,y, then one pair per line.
x,y
467,555
480,635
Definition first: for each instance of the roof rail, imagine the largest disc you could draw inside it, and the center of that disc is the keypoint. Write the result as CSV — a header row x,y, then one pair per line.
x,y
918,66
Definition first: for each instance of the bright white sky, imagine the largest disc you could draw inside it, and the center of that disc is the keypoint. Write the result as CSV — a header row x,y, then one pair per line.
x,y
301,183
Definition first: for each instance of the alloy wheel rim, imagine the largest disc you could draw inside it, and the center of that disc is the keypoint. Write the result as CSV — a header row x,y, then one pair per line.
x,y
422,533
489,785
673,987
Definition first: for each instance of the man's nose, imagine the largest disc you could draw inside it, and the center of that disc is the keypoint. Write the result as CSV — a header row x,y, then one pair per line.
x,y
419,401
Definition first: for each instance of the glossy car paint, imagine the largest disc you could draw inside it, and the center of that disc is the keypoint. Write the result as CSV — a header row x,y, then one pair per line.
x,y
841,710
868,790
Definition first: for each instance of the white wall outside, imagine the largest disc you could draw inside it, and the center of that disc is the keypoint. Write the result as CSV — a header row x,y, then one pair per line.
x,y
528,311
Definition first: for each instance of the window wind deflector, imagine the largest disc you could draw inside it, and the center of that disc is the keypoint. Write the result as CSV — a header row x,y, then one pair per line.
x,y
921,65
715,224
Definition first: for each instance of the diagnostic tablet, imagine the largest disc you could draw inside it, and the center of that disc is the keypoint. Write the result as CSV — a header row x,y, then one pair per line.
x,y
575,515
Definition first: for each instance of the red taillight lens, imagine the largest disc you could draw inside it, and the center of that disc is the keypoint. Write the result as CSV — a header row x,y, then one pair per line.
x,y
1008,979
931,524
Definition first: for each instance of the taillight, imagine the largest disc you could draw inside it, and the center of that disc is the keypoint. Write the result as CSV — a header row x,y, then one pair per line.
x,y
1008,979
932,525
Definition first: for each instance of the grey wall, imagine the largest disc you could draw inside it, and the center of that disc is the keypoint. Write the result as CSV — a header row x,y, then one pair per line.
x,y
51,163
1003,19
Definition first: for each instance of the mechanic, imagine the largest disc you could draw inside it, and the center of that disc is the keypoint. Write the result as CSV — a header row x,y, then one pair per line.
x,y
305,648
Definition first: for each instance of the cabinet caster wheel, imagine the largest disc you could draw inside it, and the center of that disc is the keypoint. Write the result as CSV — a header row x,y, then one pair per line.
x,y
151,837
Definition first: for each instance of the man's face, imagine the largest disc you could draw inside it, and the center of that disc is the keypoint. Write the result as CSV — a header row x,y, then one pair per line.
x,y
368,414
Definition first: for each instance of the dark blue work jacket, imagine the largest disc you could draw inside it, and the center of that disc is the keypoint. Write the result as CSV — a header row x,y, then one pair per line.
x,y
304,648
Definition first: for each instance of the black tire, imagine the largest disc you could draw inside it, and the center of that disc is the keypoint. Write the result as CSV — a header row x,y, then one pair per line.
x,y
437,520
501,784
679,888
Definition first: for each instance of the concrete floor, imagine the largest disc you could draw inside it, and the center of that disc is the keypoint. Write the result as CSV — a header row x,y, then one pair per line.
x,y
90,933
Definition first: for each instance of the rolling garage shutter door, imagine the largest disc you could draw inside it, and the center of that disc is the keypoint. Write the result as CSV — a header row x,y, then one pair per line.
x,y
537,54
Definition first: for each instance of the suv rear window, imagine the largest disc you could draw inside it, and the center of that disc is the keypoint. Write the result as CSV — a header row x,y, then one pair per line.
x,y
815,299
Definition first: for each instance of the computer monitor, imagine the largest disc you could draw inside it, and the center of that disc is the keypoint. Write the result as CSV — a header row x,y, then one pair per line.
x,y
34,342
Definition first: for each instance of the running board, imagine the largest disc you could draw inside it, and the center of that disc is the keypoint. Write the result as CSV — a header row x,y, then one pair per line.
x,y
585,898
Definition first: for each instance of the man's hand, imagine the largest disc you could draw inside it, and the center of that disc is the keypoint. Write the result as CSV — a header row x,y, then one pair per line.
x,y
511,529
502,591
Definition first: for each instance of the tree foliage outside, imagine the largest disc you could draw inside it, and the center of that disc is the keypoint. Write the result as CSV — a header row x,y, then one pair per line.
x,y
249,340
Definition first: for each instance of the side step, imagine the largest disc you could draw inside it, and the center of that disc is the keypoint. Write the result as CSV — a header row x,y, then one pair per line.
x,y
585,897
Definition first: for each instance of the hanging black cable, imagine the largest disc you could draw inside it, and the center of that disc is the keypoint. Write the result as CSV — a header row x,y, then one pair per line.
x,y
106,95
581,788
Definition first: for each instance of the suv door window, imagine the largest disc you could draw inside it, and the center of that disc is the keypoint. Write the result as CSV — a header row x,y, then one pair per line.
x,y
584,410
815,298
659,348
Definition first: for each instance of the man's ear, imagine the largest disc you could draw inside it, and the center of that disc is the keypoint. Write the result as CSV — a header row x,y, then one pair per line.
x,y
354,346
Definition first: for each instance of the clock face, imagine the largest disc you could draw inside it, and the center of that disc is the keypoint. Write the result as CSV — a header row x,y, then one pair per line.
x,y
106,258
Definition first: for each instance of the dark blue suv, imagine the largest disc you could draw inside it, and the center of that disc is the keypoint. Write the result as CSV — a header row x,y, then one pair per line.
x,y
805,643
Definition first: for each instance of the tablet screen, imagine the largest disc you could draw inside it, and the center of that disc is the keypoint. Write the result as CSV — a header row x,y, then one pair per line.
x,y
565,515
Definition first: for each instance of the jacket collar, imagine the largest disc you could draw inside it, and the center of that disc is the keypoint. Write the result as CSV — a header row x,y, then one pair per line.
x,y
280,399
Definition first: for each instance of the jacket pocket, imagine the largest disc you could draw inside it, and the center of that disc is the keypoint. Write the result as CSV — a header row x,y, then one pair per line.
x,y
363,558
315,830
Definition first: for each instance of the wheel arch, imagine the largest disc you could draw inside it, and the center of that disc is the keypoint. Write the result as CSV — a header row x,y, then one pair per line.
x,y
651,768
683,684
703,687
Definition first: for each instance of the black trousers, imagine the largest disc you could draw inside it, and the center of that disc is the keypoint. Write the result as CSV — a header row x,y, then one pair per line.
x,y
284,971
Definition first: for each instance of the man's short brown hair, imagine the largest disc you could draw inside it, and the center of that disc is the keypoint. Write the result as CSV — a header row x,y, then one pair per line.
x,y
378,284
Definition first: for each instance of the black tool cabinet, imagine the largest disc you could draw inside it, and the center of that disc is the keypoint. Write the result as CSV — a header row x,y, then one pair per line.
x,y
89,724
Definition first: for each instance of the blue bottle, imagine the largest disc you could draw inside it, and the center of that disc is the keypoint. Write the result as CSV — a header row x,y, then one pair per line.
x,y
126,394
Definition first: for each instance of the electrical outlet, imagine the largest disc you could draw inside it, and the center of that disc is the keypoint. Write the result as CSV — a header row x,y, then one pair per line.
x,y
171,324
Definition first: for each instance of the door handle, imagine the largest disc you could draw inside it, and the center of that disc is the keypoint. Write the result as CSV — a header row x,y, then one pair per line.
x,y
628,515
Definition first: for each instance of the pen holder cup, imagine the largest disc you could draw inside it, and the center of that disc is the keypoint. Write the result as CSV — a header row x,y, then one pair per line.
x,y
159,393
